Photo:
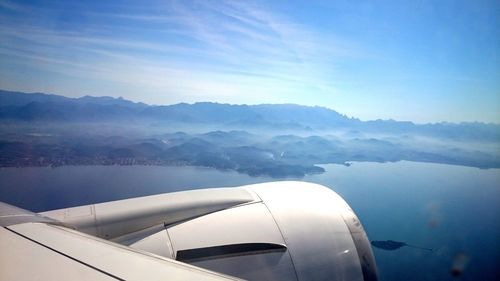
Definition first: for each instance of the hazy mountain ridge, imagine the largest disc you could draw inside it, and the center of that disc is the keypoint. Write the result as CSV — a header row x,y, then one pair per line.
x,y
276,156
42,107
280,141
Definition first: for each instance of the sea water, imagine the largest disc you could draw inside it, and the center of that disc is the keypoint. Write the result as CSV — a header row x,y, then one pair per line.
x,y
452,209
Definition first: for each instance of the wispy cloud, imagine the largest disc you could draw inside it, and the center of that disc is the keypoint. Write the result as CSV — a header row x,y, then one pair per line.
x,y
348,56
212,48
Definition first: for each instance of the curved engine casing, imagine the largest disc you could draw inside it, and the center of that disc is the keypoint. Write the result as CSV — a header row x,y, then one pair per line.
x,y
271,231
290,231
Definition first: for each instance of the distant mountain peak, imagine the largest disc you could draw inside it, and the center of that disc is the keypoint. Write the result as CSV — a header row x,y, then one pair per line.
x,y
286,116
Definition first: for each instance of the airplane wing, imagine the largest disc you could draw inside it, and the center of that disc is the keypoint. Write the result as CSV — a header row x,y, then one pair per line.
x,y
272,231
37,248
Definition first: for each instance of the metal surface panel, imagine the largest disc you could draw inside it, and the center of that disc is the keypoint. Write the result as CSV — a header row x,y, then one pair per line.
x,y
275,266
310,219
157,243
245,224
10,215
117,218
22,259
245,242
120,261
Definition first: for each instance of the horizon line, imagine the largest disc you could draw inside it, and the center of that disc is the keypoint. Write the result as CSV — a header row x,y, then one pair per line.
x,y
257,104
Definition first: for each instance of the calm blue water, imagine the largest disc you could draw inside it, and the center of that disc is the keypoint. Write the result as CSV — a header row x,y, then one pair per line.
x,y
451,209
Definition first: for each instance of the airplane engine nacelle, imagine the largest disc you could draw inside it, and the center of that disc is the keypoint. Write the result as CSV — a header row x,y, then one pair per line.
x,y
289,231
270,231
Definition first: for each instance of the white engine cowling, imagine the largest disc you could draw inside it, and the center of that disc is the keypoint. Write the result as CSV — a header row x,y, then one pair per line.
x,y
292,231
271,231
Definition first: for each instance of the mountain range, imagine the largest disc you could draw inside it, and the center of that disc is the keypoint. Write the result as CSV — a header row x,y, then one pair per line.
x,y
277,140
44,107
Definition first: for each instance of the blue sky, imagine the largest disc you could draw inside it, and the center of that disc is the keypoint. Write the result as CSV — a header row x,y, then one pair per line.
x,y
424,61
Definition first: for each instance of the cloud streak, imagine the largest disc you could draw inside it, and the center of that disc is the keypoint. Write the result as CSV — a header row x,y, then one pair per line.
x,y
197,48
248,52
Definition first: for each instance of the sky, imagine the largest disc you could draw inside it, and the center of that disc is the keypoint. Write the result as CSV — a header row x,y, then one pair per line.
x,y
422,61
